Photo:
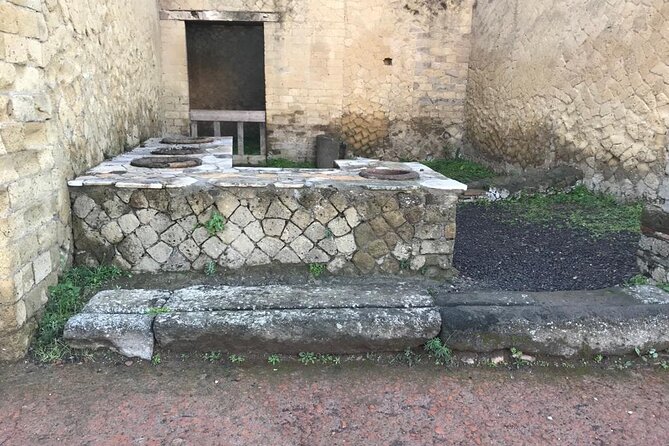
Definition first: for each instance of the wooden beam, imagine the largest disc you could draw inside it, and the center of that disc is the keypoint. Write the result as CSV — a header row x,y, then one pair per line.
x,y
193,129
217,128
219,16
240,138
227,115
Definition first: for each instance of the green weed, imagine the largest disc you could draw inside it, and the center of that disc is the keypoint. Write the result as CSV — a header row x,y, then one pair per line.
x,y
212,356
316,269
288,164
437,350
215,224
579,208
155,311
307,358
210,268
66,299
639,279
236,359
156,359
460,169
274,359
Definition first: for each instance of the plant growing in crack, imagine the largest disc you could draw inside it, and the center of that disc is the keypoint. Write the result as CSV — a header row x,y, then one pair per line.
x,y
437,350
236,359
316,269
274,359
307,358
215,224
210,268
212,356
155,311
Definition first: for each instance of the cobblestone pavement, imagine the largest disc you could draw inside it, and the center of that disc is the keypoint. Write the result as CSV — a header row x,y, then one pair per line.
x,y
195,402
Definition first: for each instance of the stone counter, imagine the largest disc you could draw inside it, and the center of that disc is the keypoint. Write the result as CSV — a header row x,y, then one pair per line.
x,y
153,220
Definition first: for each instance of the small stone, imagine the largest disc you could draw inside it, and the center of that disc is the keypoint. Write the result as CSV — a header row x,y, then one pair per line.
x,y
377,249
302,218
258,257
352,217
146,235
177,262
243,245
315,232
255,232
213,247
138,200
242,217
147,265
324,212
278,210
290,233
232,259
82,206
301,246
286,255
436,247
339,201
128,223
346,244
273,227
200,201
527,358
270,246
131,249
379,226
230,233
364,262
200,234
160,252
429,231
339,227
395,219
364,235
112,232
328,245
258,207
160,222
290,202
144,215
316,255
227,204
179,208
190,250
174,235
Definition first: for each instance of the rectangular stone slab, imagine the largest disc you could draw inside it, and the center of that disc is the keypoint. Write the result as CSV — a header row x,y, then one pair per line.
x,y
127,334
126,301
294,331
204,298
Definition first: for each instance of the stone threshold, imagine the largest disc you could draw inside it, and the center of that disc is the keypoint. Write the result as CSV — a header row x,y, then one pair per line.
x,y
375,317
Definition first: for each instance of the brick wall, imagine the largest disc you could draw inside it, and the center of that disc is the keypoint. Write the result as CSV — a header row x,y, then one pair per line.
x,y
326,72
77,84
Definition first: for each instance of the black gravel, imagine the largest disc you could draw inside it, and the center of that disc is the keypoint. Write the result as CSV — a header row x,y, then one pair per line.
x,y
501,254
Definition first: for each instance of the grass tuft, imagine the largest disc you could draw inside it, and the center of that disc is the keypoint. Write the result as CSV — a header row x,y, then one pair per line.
x,y
579,208
66,299
460,169
288,164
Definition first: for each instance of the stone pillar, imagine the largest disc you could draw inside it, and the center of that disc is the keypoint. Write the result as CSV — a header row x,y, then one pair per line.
x,y
175,77
653,253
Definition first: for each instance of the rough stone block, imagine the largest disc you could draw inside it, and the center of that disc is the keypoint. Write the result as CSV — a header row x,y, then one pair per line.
x,y
127,334
294,331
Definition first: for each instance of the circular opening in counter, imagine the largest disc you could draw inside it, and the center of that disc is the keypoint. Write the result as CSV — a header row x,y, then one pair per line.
x,y
166,162
380,173
187,140
177,150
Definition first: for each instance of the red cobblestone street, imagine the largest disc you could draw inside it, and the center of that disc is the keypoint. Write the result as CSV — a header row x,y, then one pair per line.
x,y
194,402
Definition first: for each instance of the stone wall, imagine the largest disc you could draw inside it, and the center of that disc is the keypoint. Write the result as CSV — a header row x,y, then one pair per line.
x,y
349,230
388,75
582,82
79,80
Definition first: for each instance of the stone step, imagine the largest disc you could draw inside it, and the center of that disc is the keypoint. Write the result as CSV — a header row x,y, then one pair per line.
x,y
272,318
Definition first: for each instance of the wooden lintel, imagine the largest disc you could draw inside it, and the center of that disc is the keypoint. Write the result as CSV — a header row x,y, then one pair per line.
x,y
227,115
219,16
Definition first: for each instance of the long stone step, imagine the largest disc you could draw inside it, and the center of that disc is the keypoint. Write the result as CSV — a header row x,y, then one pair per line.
x,y
272,318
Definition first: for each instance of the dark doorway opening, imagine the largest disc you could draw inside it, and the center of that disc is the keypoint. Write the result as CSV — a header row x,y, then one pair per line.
x,y
226,71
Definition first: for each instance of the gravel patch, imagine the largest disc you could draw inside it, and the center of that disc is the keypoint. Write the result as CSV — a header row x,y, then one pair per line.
x,y
506,255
